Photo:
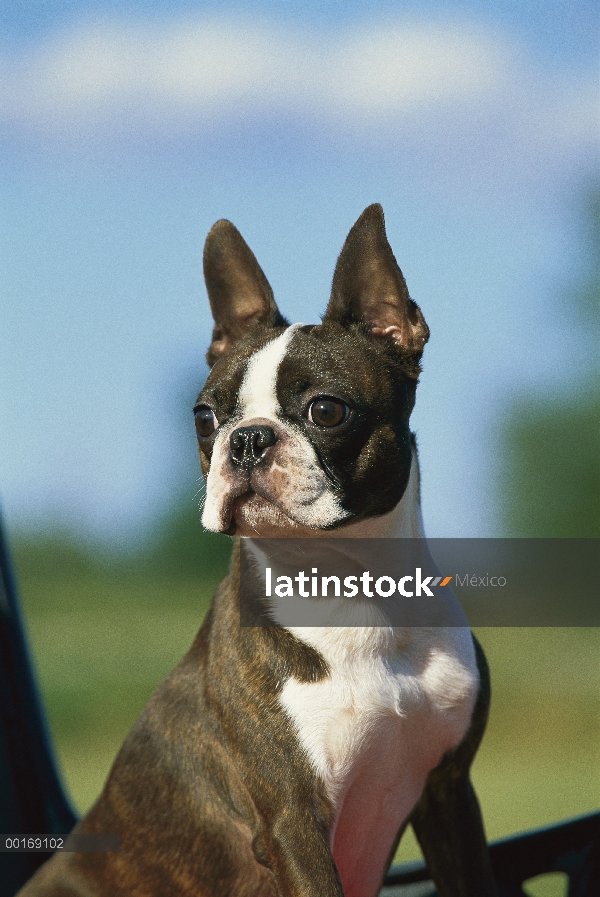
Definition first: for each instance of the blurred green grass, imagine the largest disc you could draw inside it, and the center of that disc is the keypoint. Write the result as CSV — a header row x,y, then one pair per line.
x,y
104,635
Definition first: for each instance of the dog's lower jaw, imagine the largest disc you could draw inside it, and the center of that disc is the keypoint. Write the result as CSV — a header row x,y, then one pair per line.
x,y
252,515
255,516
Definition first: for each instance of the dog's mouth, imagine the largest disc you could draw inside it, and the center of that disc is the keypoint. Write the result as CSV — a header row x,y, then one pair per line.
x,y
254,514
237,511
289,498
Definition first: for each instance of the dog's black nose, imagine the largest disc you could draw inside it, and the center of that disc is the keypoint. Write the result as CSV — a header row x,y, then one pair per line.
x,y
247,444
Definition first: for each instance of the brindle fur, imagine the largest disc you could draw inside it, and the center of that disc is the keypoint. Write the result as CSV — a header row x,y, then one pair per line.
x,y
197,819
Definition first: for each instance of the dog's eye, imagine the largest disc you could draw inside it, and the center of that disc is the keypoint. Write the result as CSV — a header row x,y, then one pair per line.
x,y
325,412
206,422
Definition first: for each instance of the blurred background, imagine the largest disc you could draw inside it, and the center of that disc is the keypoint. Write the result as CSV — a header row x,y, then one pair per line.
x,y
126,129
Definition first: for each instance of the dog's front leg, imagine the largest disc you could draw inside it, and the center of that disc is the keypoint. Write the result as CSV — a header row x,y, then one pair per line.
x,y
300,857
448,825
447,820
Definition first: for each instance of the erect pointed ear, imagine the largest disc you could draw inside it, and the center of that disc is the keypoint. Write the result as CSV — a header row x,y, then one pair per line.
x,y
239,293
368,287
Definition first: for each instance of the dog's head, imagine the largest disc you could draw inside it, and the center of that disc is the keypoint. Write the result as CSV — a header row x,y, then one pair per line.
x,y
305,429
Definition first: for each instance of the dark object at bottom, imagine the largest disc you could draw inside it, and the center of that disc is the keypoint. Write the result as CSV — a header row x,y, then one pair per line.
x,y
571,847
32,798
31,795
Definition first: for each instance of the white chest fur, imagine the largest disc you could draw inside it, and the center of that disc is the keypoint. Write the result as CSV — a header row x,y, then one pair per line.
x,y
415,683
395,701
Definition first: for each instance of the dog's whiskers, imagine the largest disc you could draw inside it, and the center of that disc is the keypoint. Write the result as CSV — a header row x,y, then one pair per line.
x,y
200,494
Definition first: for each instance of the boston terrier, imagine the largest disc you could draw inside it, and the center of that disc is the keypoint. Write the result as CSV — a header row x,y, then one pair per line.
x,y
282,760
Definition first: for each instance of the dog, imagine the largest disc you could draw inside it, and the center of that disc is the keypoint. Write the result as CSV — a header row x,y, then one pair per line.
x,y
280,760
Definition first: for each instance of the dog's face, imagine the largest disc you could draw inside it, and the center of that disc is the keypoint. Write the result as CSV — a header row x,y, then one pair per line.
x,y
305,429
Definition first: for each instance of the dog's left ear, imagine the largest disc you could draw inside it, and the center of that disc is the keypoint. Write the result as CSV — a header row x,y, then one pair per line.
x,y
369,287
240,295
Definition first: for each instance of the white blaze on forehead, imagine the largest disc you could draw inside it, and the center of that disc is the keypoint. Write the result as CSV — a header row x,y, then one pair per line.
x,y
258,393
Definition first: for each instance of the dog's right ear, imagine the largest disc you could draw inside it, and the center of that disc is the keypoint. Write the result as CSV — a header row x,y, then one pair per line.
x,y
369,288
239,293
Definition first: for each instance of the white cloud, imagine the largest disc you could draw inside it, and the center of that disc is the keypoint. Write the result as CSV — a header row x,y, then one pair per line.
x,y
392,70
109,78
99,70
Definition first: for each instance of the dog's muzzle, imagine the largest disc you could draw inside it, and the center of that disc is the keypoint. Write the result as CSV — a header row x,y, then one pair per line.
x,y
247,445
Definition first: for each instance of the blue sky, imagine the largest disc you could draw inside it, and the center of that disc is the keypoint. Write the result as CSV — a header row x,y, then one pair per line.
x,y
128,128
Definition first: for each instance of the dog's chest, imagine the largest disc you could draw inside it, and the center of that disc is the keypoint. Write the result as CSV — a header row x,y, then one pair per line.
x,y
394,703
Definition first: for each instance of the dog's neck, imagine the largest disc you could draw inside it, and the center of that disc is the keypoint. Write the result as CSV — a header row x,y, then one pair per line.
x,y
403,522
